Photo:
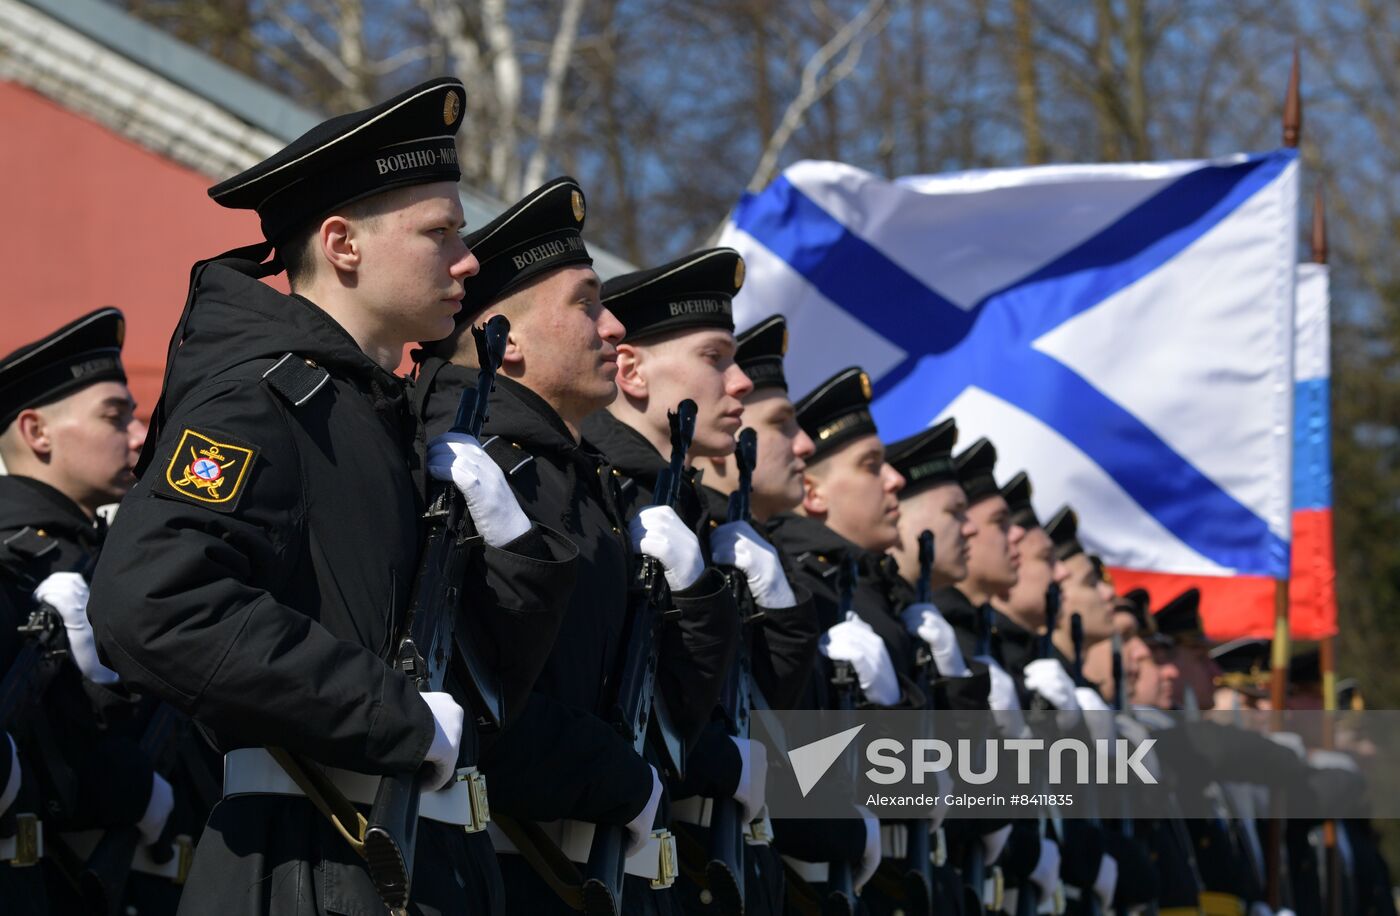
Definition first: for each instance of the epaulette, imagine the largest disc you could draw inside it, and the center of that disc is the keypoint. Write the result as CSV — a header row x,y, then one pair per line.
x,y
508,455
295,378
30,543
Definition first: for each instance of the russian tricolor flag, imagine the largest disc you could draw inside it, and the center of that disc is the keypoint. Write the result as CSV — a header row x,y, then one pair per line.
x,y
1243,606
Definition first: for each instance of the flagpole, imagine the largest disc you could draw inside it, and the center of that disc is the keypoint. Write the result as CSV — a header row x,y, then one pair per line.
x,y
1278,694
1327,648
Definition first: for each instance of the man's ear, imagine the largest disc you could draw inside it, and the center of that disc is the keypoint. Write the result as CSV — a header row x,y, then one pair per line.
x,y
34,432
631,381
514,356
338,242
814,504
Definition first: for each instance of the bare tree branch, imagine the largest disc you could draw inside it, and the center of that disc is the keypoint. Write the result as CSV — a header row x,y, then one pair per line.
x,y
819,77
552,93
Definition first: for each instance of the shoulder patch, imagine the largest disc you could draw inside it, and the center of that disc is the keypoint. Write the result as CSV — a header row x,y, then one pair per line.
x,y
30,543
208,468
295,378
509,456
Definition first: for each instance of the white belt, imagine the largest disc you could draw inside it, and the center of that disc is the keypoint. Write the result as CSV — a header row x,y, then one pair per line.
x,y
811,872
26,847
253,771
176,868
653,861
700,811
894,843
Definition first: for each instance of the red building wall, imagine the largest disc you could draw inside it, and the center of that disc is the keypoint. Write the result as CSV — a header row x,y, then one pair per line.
x,y
91,219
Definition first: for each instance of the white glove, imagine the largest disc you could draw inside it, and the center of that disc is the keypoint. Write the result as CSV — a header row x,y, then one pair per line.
x,y
924,620
157,810
1003,699
447,739
1048,677
1106,881
658,532
639,828
1260,908
67,593
11,790
737,544
854,641
870,857
1047,869
1097,716
753,777
459,458
1291,740
993,843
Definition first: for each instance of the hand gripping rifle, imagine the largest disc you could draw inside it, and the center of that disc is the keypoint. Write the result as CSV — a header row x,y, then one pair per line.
x,y
918,866
724,872
425,651
841,897
637,695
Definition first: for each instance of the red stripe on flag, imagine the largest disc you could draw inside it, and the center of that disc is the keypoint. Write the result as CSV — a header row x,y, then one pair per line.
x,y
1235,607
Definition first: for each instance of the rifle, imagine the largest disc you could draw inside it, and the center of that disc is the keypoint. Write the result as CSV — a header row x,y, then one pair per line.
x,y
637,696
425,650
1091,899
918,864
975,867
724,872
103,880
1028,897
841,897
24,685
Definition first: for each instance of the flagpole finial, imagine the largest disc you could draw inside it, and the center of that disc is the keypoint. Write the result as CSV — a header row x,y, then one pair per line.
x,y
1293,106
1319,229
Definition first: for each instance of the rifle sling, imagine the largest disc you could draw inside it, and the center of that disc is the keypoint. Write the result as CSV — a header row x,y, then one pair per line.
x,y
328,799
545,857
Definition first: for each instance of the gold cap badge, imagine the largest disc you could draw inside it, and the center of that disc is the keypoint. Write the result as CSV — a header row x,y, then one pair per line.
x,y
865,386
451,107
576,199
738,274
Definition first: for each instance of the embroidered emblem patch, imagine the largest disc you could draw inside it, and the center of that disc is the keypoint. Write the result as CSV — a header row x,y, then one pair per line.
x,y
207,470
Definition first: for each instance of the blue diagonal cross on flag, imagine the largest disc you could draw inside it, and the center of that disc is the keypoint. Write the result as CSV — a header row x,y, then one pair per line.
x,y
1123,332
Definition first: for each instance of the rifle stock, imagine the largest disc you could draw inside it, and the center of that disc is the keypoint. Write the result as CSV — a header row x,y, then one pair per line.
x,y
918,865
102,883
841,896
637,696
425,651
724,871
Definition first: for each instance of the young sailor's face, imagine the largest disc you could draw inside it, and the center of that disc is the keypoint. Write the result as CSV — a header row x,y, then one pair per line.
x,y
414,263
696,364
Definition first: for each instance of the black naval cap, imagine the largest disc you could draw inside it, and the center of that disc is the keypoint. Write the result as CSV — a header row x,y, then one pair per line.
x,y
1180,618
83,352
539,234
974,466
925,459
1017,493
1063,529
694,291
1244,666
1136,602
408,140
761,351
837,411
